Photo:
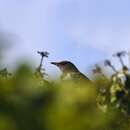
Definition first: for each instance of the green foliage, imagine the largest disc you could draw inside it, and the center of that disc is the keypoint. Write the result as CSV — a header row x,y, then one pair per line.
x,y
29,102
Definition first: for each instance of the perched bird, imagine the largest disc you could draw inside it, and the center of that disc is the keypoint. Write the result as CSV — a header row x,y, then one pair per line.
x,y
70,71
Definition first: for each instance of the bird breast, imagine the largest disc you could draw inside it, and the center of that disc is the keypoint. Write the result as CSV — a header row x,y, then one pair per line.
x,y
67,76
74,76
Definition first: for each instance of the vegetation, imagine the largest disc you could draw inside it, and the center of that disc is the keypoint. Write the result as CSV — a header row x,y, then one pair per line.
x,y
29,102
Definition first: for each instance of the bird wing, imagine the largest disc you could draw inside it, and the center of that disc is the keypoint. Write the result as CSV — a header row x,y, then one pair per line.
x,y
79,77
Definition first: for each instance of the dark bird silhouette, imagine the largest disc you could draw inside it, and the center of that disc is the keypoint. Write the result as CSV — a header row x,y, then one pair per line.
x,y
70,71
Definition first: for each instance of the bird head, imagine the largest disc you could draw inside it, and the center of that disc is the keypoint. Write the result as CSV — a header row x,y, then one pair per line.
x,y
66,66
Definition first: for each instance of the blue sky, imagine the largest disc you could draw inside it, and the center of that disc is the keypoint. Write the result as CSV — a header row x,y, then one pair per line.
x,y
83,31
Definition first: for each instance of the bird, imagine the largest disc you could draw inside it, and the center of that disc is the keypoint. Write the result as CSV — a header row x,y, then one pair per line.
x,y
70,72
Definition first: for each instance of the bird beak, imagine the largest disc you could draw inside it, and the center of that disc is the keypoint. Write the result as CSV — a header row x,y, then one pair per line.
x,y
54,63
